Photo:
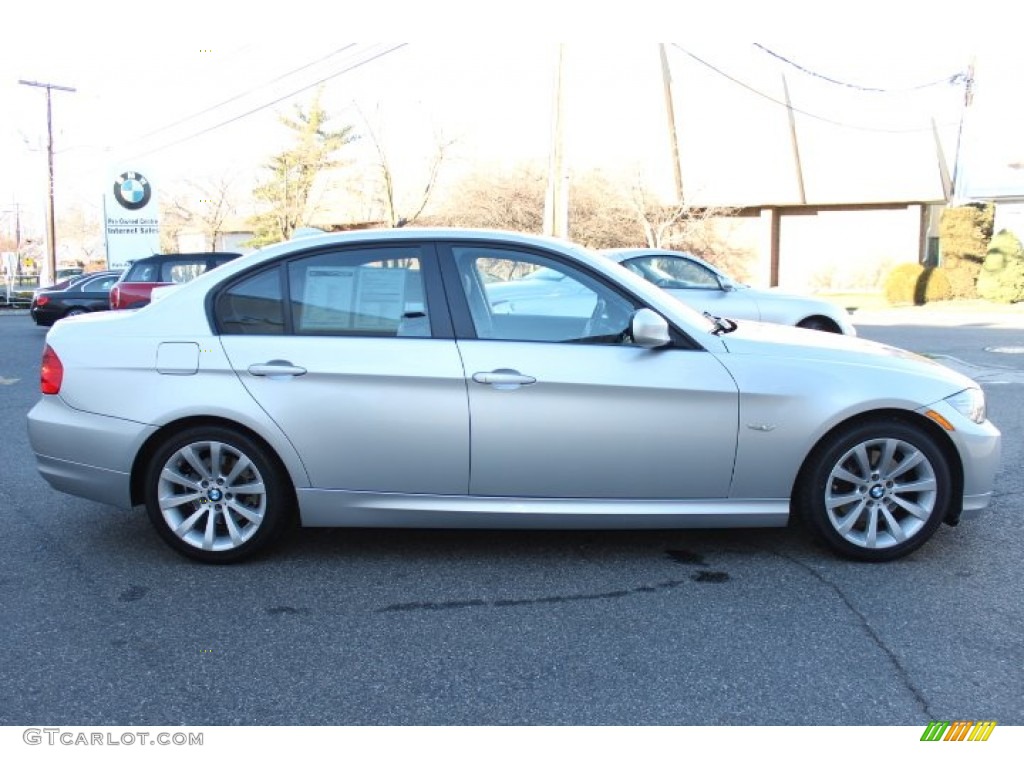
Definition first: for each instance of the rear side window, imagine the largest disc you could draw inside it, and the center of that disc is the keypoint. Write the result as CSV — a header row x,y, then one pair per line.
x,y
99,284
360,292
253,306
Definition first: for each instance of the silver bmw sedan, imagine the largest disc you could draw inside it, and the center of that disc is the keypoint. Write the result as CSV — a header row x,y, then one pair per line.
x,y
378,378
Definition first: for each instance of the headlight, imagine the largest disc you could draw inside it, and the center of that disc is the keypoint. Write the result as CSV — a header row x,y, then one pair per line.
x,y
971,403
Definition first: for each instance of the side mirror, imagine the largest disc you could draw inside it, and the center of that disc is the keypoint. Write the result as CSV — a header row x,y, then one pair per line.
x,y
649,329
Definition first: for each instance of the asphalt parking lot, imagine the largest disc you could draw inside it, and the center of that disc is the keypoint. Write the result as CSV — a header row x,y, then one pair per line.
x,y
103,624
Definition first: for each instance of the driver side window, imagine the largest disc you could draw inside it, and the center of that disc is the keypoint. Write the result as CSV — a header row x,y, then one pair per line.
x,y
516,296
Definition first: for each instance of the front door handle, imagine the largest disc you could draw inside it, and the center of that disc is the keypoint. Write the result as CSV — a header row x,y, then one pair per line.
x,y
503,378
276,368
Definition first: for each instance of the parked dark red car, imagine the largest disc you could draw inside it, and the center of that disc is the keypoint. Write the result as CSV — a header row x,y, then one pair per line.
x,y
138,281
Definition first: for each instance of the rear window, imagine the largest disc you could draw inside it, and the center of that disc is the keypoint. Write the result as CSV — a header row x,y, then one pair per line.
x,y
182,271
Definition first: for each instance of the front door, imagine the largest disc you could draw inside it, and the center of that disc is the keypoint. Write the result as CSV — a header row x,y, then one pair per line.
x,y
563,405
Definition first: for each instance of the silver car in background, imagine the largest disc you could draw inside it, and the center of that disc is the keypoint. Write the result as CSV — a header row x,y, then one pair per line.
x,y
374,379
706,288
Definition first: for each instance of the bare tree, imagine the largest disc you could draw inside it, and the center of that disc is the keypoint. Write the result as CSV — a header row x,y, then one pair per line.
x,y
199,207
511,200
663,224
80,229
403,209
600,215
686,226
215,204
176,215
604,212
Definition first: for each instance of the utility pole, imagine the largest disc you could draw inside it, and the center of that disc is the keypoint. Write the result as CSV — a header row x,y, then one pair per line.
x,y
957,158
556,203
666,80
794,143
51,240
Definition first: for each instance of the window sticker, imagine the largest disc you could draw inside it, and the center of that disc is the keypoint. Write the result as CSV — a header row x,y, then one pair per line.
x,y
380,297
352,298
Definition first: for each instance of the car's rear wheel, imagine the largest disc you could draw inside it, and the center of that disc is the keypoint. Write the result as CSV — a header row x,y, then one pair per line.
x,y
75,311
216,495
876,491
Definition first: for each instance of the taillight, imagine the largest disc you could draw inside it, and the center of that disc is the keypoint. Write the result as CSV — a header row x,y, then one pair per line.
x,y
51,373
115,297
42,300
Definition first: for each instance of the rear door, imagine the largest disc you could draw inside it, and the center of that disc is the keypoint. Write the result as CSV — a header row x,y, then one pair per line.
x,y
350,351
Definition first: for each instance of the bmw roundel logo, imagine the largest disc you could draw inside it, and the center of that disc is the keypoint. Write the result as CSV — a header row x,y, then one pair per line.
x,y
132,190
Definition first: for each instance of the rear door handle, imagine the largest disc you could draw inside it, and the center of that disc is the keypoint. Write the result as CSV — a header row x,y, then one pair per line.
x,y
276,368
503,378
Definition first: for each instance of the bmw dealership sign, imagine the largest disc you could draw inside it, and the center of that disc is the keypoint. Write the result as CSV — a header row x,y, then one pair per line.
x,y
132,190
132,218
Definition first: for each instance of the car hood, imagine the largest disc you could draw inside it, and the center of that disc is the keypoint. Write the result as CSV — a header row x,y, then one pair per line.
x,y
780,342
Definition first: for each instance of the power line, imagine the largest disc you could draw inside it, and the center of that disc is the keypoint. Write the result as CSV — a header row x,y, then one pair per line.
x,y
950,80
727,76
260,108
245,93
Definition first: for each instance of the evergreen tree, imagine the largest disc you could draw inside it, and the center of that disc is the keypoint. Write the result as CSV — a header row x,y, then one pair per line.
x,y
286,194
964,233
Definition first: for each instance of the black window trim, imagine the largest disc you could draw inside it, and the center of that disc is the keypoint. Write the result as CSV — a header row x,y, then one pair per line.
x,y
433,288
462,319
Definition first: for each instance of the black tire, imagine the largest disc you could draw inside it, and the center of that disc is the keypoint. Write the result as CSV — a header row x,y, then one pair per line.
x,y
75,311
898,500
819,324
197,508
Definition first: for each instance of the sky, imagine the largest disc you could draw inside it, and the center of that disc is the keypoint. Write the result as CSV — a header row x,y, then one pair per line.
x,y
194,91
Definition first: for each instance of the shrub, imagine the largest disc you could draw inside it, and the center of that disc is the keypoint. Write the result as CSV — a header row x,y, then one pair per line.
x,y
1002,274
964,233
900,282
915,284
936,285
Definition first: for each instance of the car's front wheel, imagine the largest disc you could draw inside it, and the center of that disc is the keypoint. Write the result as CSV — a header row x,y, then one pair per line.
x,y
216,495
819,324
876,491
